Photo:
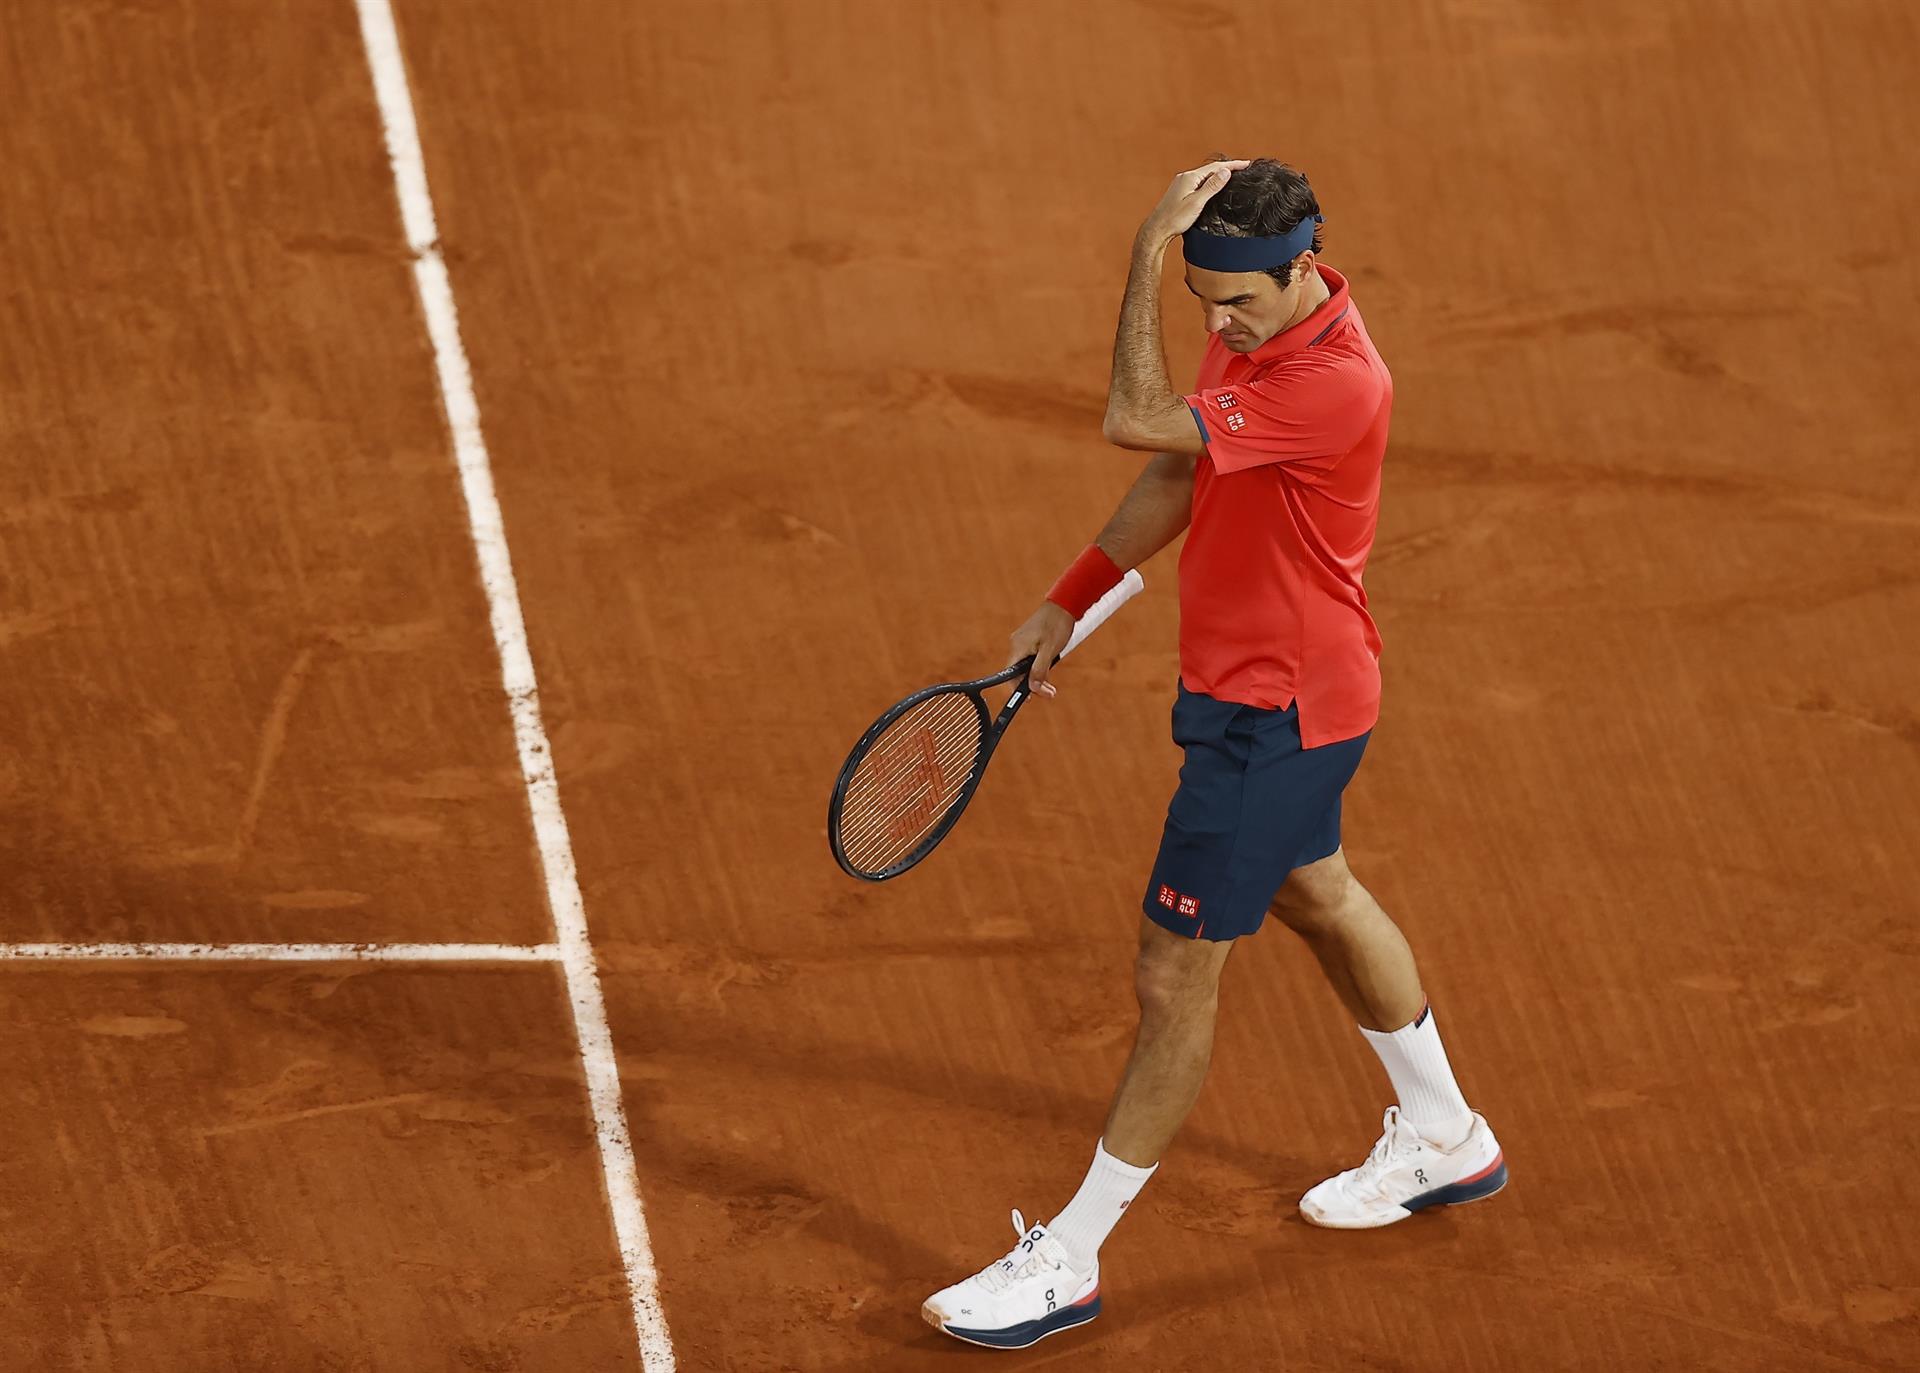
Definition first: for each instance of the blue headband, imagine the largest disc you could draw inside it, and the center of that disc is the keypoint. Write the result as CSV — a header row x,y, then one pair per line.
x,y
1217,253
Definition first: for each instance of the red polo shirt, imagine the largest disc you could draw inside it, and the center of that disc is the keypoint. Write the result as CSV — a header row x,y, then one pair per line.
x,y
1285,502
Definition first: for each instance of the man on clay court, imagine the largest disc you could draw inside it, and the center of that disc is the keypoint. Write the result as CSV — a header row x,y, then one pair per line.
x,y
1273,465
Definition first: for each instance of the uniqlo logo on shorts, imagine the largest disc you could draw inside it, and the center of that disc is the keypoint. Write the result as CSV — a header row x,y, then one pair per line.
x,y
1175,901
1237,421
1226,400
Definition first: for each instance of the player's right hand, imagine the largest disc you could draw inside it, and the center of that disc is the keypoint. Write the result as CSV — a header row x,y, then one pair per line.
x,y
1043,636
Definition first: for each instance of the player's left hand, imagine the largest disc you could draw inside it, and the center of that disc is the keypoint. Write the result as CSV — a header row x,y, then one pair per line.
x,y
1182,203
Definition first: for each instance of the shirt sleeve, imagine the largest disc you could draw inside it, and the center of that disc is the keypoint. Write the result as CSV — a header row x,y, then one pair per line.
x,y
1307,414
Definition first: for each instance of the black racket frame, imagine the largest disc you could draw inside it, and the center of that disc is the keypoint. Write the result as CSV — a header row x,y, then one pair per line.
x,y
992,730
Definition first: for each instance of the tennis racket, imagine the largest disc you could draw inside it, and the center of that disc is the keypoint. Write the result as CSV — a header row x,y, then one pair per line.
x,y
914,770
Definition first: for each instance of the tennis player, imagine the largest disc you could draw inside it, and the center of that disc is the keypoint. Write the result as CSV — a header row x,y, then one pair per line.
x,y
1272,464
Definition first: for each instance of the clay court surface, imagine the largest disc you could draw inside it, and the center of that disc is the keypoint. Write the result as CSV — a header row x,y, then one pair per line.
x,y
788,326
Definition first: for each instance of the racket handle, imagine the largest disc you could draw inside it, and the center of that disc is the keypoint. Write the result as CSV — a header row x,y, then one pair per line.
x,y
1098,613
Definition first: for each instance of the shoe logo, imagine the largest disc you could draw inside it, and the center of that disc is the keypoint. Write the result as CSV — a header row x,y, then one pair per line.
x,y
1050,1301
1420,1176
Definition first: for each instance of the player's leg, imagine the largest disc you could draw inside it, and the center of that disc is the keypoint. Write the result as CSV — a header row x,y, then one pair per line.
x,y
1235,820
1360,949
1435,1150
1051,1280
1177,982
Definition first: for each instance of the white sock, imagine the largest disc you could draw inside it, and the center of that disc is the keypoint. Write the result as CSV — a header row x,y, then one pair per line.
x,y
1096,1208
1430,1099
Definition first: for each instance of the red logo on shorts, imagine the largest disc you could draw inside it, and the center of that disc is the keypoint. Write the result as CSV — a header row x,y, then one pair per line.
x,y
1174,901
1226,400
1237,421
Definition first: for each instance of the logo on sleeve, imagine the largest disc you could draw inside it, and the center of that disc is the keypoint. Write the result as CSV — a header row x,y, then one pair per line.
x,y
1226,400
1237,421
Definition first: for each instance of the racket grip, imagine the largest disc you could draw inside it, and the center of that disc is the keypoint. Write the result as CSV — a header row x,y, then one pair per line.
x,y
1098,613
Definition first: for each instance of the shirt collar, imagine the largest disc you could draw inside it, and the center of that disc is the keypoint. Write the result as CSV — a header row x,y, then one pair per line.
x,y
1314,327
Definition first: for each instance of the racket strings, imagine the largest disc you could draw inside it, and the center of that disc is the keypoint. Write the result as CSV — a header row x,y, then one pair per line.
x,y
909,779
908,796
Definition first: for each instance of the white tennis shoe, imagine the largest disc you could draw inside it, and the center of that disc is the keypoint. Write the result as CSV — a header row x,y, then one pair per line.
x,y
1406,1173
1034,1292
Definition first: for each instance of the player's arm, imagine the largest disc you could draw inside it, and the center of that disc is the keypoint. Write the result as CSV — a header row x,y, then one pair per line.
x,y
1143,410
1151,515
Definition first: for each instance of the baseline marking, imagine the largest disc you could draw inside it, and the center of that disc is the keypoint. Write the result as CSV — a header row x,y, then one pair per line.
x,y
285,953
384,58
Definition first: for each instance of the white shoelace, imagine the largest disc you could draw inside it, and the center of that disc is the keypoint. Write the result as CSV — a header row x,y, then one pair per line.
x,y
1020,1261
1398,1141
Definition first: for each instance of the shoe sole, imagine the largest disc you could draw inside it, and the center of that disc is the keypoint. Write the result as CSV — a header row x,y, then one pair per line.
x,y
1453,1194
1018,1336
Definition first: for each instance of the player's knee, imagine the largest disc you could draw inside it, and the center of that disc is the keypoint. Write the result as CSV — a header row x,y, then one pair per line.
x,y
1318,898
1174,979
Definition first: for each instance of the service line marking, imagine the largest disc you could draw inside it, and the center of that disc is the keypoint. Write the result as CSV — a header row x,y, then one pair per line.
x,y
286,953
382,41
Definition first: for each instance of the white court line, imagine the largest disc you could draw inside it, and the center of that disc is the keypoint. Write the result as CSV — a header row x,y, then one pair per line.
x,y
516,672
287,953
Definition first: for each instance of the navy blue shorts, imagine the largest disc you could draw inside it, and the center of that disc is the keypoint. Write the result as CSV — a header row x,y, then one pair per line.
x,y
1253,805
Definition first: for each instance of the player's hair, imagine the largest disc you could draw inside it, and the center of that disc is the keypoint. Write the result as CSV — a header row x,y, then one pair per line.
x,y
1262,200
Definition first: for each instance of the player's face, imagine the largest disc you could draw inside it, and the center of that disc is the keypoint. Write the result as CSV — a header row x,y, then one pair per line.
x,y
1246,308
